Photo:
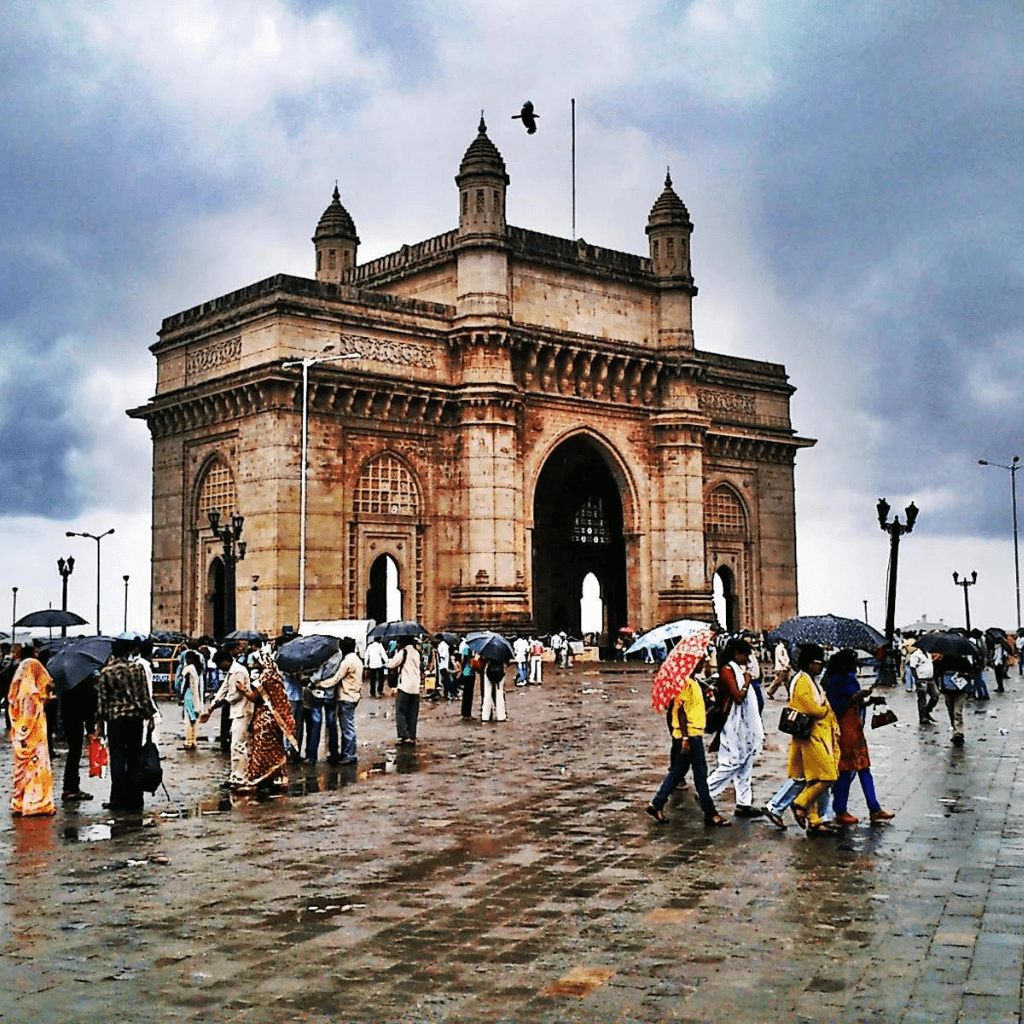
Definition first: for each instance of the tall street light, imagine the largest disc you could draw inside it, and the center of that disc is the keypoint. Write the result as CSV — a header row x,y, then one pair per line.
x,y
1012,467
65,566
234,551
14,611
97,538
895,529
965,583
306,364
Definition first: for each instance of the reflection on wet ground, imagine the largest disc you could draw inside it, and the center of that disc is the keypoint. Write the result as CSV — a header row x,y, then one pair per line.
x,y
507,872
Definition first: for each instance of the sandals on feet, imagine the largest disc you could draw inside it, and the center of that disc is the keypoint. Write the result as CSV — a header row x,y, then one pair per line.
x,y
657,814
775,819
800,814
717,822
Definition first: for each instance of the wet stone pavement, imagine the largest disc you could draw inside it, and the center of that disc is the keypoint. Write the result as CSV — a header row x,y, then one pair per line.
x,y
508,873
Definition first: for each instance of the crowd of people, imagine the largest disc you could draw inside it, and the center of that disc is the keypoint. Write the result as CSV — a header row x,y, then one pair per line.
x,y
724,694
267,717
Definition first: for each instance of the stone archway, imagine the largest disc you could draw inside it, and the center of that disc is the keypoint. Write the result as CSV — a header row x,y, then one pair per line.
x,y
577,530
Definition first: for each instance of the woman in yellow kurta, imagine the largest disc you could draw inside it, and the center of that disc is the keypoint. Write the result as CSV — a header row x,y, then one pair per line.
x,y
815,759
30,689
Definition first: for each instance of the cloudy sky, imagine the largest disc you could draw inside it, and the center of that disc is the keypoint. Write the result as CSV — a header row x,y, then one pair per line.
x,y
854,178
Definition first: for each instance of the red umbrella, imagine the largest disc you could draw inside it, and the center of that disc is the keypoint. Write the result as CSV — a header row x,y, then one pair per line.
x,y
676,668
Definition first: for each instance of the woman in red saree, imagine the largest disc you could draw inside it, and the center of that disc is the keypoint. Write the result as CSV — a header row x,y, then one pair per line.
x,y
272,724
30,689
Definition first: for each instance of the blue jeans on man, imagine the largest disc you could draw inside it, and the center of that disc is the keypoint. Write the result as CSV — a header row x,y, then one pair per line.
x,y
680,762
320,712
347,722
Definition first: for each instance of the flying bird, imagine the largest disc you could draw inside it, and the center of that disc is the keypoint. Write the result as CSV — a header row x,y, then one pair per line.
x,y
528,117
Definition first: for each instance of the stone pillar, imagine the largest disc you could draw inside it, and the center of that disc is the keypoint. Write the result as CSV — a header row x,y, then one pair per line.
x,y
677,518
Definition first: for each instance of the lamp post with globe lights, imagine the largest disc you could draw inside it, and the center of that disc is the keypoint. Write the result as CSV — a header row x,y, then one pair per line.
x,y
895,529
1012,469
965,583
65,566
233,552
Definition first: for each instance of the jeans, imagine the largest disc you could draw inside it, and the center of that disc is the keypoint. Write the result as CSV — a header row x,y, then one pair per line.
x,y
299,714
321,710
347,721
522,671
377,682
679,762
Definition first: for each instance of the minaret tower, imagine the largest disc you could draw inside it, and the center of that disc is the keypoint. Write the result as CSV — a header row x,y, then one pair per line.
x,y
336,242
483,255
669,229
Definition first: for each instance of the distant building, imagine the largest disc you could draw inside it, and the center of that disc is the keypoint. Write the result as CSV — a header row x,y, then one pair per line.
x,y
524,411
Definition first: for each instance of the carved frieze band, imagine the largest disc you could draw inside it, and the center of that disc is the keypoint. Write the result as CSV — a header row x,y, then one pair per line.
x,y
726,403
212,357
398,353
749,449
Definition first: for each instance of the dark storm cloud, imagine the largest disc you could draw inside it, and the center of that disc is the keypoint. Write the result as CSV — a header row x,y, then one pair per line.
x,y
38,433
887,172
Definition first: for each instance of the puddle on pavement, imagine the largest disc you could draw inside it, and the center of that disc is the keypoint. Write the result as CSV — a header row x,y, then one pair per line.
x,y
88,833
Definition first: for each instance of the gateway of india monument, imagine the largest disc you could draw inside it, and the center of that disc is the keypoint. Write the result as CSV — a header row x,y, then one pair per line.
x,y
515,414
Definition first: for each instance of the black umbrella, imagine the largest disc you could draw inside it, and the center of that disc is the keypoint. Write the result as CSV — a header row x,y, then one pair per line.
x,y
949,644
490,645
246,634
394,630
829,630
50,617
77,660
306,653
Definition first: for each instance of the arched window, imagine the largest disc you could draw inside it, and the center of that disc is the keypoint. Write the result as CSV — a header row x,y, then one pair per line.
x,y
724,512
216,493
386,487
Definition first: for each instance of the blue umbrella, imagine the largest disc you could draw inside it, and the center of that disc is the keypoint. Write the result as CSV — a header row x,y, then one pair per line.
x,y
829,630
660,635
306,653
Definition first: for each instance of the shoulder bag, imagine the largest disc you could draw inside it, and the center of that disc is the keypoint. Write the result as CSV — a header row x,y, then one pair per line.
x,y
795,723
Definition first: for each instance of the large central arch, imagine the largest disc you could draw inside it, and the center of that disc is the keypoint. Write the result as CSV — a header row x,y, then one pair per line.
x,y
577,529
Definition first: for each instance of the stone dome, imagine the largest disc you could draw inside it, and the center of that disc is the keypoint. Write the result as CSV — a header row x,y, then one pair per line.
x,y
483,157
336,221
668,209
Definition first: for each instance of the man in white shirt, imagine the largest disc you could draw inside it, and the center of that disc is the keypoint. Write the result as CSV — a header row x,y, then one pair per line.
x,y
521,653
233,690
376,659
783,670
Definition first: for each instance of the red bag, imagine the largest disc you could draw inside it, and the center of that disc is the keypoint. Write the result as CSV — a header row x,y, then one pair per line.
x,y
98,758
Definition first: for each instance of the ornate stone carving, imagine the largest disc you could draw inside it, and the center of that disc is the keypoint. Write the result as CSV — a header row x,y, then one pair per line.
x,y
726,403
401,353
212,357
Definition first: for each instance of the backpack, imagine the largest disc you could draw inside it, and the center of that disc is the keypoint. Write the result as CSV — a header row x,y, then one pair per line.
x,y
495,671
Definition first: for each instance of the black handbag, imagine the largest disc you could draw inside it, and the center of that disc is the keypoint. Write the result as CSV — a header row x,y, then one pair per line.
x,y
885,717
151,771
797,724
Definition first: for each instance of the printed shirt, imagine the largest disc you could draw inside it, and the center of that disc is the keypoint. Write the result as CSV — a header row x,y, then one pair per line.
x,y
122,691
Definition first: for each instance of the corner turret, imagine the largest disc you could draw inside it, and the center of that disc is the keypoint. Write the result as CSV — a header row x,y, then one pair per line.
x,y
335,241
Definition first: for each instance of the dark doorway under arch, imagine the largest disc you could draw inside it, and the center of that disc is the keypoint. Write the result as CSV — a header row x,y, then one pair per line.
x,y
577,529
724,589
216,589
384,595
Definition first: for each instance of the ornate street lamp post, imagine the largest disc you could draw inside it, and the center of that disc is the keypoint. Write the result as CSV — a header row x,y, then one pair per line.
x,y
14,611
895,529
97,538
65,566
1013,467
234,552
965,583
306,363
